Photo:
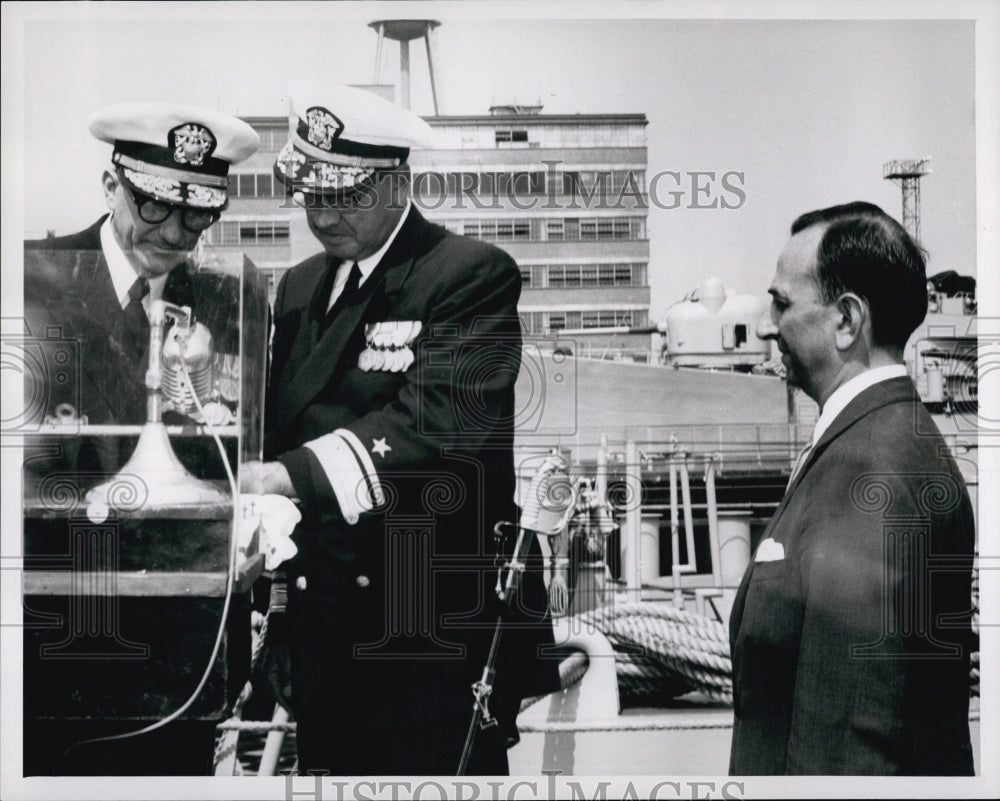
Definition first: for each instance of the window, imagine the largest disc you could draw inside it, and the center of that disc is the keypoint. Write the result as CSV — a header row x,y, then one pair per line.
x,y
569,229
254,185
263,232
533,322
272,138
510,137
230,233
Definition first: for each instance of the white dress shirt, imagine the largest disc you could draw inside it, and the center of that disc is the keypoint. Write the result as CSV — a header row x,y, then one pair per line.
x,y
123,274
366,265
849,390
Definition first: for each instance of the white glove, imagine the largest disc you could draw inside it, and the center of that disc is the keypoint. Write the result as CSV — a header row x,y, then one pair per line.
x,y
272,518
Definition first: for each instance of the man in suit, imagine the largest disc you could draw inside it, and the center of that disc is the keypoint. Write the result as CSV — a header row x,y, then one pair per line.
x,y
91,293
850,631
390,417
166,185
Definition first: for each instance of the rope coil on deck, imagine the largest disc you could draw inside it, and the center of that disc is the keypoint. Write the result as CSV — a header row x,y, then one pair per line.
x,y
656,642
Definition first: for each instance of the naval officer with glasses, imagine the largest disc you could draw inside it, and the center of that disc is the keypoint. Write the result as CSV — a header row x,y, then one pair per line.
x,y
166,184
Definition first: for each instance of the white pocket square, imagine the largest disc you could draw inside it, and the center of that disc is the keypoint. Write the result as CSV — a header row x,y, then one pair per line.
x,y
769,551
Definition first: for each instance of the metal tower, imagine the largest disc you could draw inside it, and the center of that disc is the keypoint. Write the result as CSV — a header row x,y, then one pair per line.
x,y
907,174
402,31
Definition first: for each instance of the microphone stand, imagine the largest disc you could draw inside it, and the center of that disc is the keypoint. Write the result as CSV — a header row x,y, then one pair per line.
x,y
481,690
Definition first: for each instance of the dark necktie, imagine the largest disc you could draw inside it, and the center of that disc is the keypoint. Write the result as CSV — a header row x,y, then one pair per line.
x,y
346,297
135,334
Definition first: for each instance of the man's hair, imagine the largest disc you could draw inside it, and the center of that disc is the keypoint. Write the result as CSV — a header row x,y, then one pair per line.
x,y
865,251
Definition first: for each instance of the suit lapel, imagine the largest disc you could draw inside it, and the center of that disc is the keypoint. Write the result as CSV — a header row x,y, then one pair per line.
x,y
895,390
324,358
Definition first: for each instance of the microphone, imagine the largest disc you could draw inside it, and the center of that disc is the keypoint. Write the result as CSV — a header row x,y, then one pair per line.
x,y
189,345
551,498
550,501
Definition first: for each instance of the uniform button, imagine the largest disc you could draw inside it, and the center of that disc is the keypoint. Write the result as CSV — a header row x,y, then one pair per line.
x,y
363,580
300,583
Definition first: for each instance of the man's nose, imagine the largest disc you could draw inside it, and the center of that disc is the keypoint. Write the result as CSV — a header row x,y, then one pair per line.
x,y
325,218
172,230
766,329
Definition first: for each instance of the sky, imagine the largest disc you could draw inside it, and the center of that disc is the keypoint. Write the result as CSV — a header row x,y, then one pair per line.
x,y
807,110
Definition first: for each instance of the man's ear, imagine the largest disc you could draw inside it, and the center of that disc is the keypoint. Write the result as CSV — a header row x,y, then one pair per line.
x,y
854,321
109,182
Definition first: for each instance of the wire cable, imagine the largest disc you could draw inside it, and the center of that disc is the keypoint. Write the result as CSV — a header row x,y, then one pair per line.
x,y
230,580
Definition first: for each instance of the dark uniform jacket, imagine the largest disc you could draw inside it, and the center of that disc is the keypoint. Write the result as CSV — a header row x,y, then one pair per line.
x,y
851,653
391,617
76,341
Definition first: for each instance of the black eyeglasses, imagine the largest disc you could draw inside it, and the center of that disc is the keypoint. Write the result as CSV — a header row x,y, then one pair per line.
x,y
155,211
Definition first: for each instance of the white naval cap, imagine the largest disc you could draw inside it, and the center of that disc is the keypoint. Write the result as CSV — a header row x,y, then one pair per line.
x,y
342,135
178,154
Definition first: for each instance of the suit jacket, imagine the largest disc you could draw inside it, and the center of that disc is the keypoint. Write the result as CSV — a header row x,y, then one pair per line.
x,y
76,330
851,653
411,584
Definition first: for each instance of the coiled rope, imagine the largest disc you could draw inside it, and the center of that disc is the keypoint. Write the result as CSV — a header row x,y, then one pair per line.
x,y
658,645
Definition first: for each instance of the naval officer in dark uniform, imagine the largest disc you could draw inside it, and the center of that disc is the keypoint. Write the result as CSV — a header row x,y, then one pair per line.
x,y
390,416
165,185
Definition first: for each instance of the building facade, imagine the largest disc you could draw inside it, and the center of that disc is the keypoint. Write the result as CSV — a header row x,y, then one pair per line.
x,y
565,195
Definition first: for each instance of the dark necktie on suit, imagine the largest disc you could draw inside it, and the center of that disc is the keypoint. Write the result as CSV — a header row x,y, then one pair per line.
x,y
135,334
345,298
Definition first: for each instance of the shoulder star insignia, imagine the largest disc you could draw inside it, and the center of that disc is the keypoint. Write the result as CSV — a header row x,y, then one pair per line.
x,y
380,447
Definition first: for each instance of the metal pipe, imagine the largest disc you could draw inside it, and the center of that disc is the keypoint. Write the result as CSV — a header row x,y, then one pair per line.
x,y
713,522
601,482
675,545
127,430
633,580
377,71
404,72
690,566
428,32
272,746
